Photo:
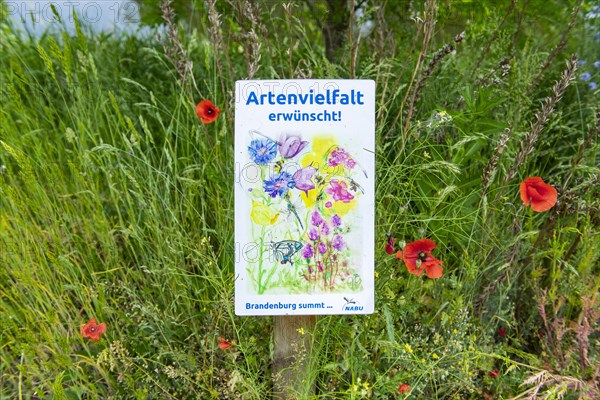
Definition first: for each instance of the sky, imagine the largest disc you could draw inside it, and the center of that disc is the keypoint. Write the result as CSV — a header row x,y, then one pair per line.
x,y
102,15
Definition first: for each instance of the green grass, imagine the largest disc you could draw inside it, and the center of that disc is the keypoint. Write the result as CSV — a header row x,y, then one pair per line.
x,y
116,203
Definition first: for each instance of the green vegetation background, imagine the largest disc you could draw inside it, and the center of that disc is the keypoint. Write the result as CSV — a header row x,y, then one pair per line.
x,y
116,202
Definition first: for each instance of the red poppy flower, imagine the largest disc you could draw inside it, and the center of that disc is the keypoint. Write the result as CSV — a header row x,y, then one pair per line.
x,y
207,112
417,257
404,388
540,195
494,373
93,330
224,344
501,332
389,247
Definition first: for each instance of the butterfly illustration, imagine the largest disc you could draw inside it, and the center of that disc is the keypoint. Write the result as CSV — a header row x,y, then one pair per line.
x,y
285,249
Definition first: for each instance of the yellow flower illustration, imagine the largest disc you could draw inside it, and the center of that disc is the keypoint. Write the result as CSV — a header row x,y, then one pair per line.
x,y
262,214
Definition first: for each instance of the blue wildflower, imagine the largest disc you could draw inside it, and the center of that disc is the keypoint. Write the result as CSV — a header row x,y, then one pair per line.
x,y
262,151
593,85
597,64
586,76
279,184
581,62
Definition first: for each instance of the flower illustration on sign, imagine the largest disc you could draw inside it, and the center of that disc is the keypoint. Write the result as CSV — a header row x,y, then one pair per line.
x,y
339,190
296,178
279,184
262,151
291,145
303,178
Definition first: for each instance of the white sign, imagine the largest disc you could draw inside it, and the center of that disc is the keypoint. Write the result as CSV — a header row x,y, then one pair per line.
x,y
304,197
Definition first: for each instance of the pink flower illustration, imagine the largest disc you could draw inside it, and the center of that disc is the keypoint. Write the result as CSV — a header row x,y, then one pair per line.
x,y
339,191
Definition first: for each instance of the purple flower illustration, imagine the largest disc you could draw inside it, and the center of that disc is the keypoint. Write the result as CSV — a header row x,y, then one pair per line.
x,y
338,189
313,234
322,248
339,156
279,184
316,218
307,251
328,204
262,151
325,229
338,242
336,221
291,145
303,178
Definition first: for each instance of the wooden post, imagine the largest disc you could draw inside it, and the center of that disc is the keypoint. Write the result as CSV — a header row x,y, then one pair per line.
x,y
292,337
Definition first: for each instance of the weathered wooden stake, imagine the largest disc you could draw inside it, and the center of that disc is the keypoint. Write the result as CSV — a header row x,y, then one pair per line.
x,y
292,349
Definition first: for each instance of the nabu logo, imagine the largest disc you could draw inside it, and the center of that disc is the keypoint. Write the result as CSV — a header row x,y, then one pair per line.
x,y
351,305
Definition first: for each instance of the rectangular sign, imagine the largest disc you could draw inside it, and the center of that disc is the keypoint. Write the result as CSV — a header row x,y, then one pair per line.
x,y
304,197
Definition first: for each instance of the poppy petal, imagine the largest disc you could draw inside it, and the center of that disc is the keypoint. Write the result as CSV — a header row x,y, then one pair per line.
x,y
434,269
538,194
207,112
411,265
426,245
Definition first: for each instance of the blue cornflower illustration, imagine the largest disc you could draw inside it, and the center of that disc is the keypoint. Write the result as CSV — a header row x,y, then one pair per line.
x,y
279,184
262,151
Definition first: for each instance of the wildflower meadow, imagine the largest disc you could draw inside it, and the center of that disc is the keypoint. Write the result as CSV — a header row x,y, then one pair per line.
x,y
117,247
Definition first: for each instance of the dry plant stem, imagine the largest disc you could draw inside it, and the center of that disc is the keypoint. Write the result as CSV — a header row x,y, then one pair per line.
x,y
541,117
288,17
587,320
252,43
175,51
557,49
217,39
399,82
494,37
492,165
386,49
554,383
434,62
353,46
428,25
558,330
